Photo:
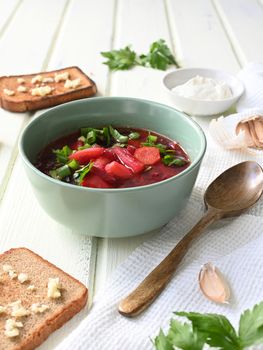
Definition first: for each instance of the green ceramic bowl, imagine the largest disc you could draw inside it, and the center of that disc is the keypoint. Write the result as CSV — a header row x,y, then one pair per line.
x,y
112,212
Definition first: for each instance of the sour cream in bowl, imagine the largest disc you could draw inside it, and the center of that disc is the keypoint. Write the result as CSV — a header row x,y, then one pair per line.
x,y
201,91
206,89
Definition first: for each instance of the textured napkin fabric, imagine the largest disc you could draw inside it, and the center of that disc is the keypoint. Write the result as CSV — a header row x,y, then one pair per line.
x,y
234,245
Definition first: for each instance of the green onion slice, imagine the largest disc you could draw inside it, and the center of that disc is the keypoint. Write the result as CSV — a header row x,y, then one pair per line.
x,y
73,164
60,172
62,154
134,135
118,136
91,137
82,172
173,160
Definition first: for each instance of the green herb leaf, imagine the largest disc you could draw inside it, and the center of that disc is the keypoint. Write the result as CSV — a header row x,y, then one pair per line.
x,y
159,57
251,326
120,59
180,335
81,173
118,136
216,329
184,337
173,160
161,342
84,131
150,142
151,138
134,136
62,154
106,134
93,136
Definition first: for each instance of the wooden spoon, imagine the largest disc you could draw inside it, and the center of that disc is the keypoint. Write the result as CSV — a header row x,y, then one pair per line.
x,y
235,190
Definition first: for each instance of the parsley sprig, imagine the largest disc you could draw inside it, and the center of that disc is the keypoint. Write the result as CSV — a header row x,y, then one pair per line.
x,y
214,330
122,59
158,57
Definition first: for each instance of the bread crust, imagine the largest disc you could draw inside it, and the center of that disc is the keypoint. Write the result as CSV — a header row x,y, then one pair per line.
x,y
54,319
27,102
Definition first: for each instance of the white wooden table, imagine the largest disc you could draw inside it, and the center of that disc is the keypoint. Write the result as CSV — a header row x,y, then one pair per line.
x,y
40,35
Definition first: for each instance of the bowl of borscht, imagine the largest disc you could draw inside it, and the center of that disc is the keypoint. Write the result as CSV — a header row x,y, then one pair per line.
x,y
112,166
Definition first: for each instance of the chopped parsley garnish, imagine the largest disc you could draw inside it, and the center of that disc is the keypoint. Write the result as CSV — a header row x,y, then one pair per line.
x,y
62,154
170,160
82,172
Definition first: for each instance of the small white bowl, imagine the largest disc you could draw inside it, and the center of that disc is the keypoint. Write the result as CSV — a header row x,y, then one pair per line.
x,y
201,107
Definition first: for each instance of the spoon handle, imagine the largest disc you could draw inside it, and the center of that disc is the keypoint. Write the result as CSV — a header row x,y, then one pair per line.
x,y
155,282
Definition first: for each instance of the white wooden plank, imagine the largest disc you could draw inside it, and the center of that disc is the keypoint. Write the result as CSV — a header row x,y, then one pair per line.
x,y
201,38
82,40
27,39
243,22
9,125
138,23
24,46
7,11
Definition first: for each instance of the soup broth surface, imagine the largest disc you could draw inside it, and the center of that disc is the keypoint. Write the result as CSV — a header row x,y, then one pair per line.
x,y
112,157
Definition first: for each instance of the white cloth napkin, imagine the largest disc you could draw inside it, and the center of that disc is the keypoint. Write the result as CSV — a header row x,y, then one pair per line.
x,y
234,245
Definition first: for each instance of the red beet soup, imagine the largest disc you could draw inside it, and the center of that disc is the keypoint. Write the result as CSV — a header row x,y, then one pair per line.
x,y
112,157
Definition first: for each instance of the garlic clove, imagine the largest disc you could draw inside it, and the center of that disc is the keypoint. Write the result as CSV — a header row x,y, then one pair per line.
x,y
252,127
213,284
244,128
259,129
256,127
253,133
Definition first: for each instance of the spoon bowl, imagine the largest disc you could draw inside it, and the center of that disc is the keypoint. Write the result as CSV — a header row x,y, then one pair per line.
x,y
236,189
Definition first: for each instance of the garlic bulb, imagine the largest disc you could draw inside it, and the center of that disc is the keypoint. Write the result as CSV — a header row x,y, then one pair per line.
x,y
239,131
222,135
252,129
213,284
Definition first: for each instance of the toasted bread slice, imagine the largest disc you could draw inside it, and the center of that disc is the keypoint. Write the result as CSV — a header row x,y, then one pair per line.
x,y
21,93
30,288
